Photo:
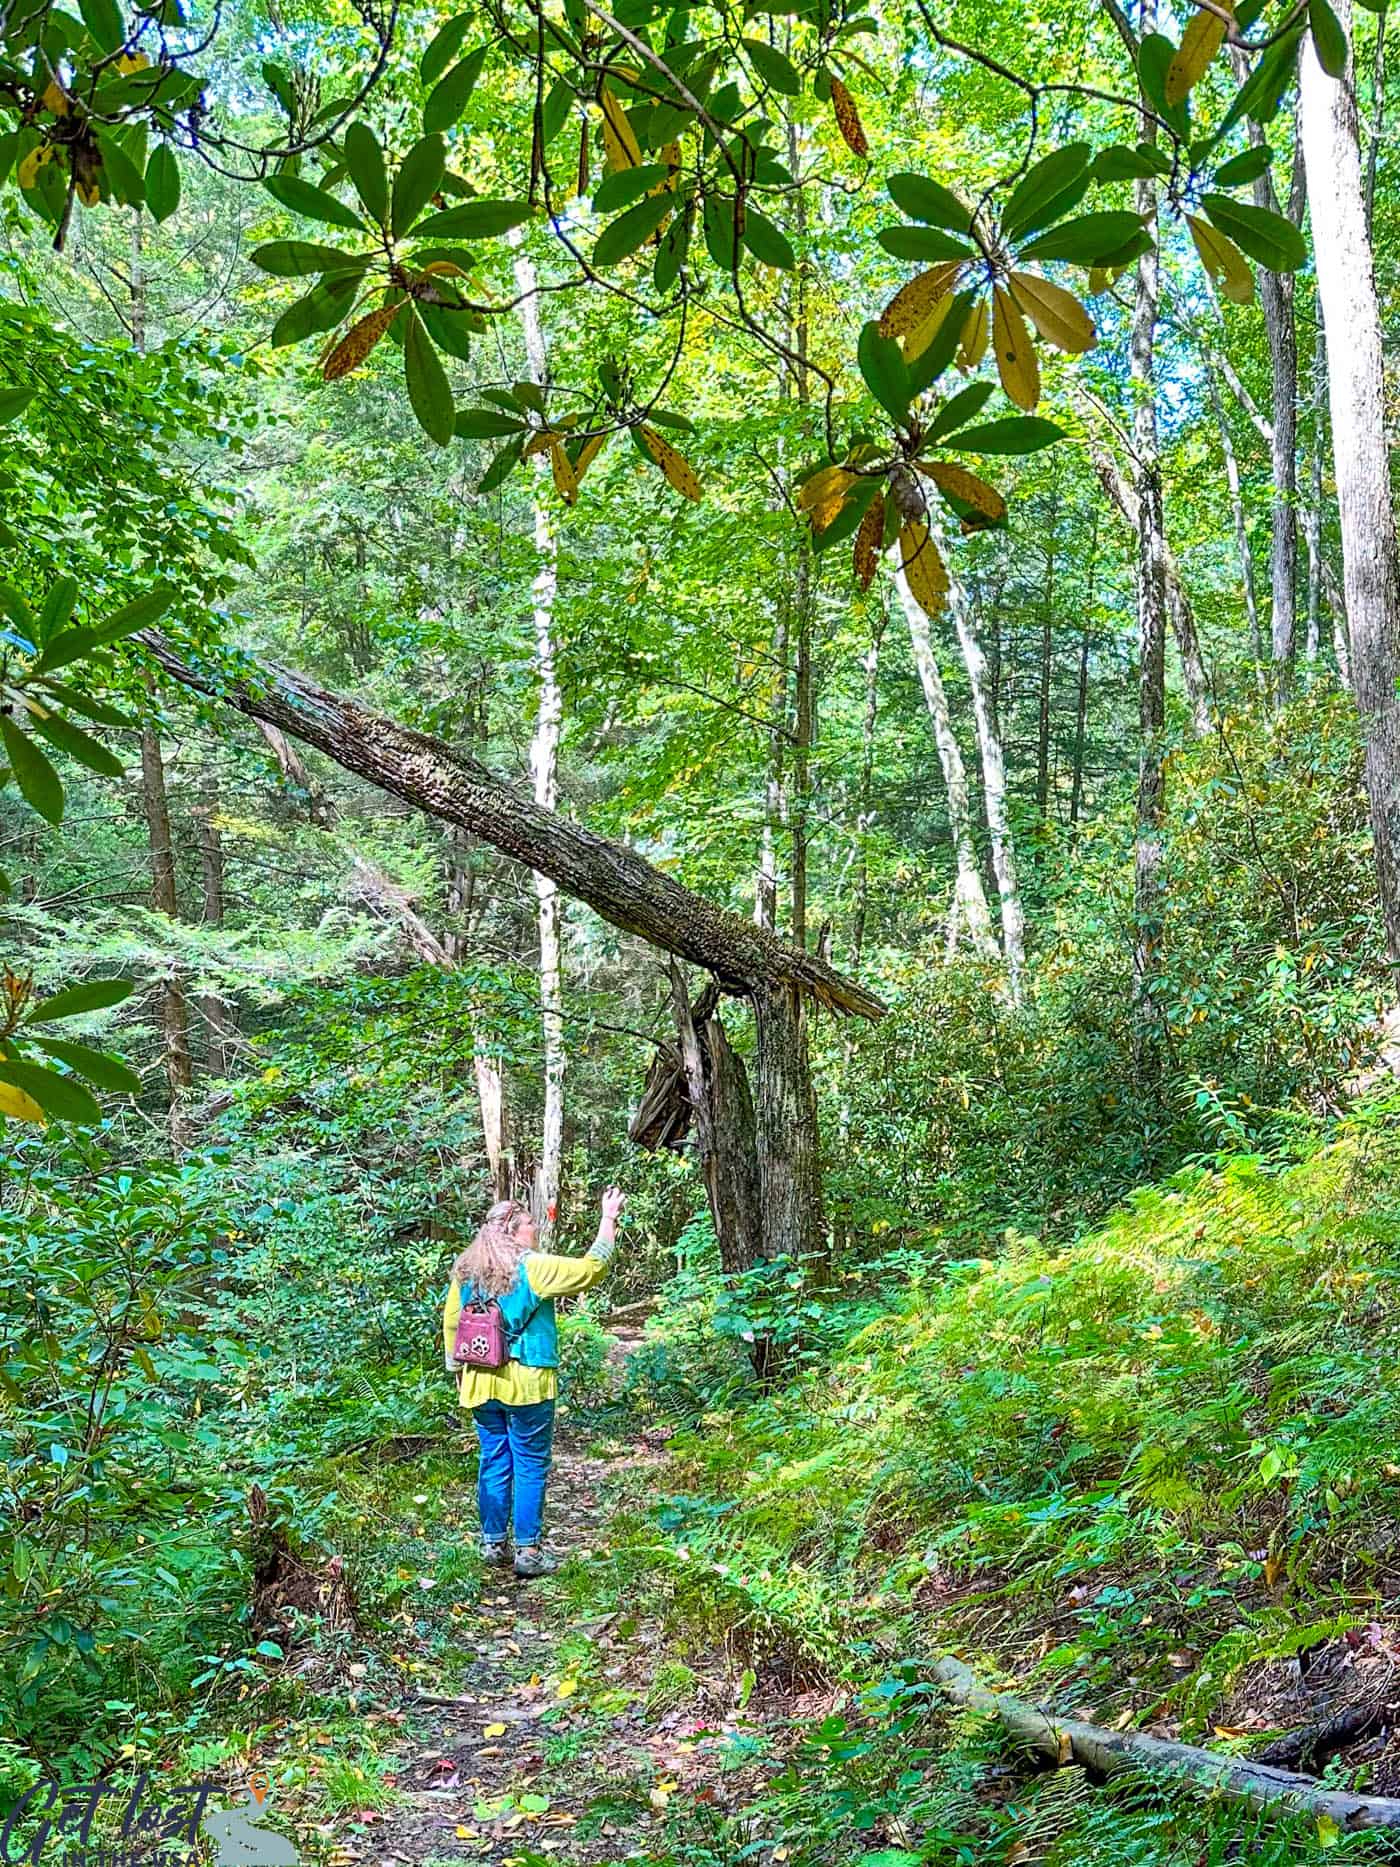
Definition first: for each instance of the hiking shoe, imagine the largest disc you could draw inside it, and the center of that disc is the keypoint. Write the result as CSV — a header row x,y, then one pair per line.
x,y
530,1559
494,1552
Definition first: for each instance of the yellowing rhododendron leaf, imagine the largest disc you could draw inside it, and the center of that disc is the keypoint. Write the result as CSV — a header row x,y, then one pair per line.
x,y
1223,260
913,304
28,172
865,557
620,144
923,566
1016,358
55,98
826,484
678,470
922,335
848,119
565,479
1202,39
1056,314
587,454
20,1107
974,337
358,341
949,477
538,443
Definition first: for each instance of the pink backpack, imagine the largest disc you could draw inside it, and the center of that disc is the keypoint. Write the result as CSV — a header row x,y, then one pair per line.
x,y
481,1336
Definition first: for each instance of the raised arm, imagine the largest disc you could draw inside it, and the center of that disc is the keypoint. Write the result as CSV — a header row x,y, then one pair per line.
x,y
553,1276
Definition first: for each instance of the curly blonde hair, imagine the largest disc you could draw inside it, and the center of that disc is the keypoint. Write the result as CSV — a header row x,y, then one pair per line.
x,y
491,1262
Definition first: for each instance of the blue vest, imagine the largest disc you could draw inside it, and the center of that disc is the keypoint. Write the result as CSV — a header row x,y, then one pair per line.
x,y
531,1329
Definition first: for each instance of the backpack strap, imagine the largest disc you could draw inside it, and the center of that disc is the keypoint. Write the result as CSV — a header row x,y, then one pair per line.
x,y
512,1335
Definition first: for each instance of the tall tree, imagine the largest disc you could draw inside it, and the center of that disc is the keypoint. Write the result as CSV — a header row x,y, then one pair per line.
x,y
968,908
174,1006
544,772
994,792
1151,595
1346,284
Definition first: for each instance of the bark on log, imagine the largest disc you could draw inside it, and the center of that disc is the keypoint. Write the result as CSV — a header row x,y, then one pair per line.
x,y
615,881
1112,1753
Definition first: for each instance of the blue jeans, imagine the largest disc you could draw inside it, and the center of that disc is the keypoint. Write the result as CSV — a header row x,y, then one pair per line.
x,y
516,1443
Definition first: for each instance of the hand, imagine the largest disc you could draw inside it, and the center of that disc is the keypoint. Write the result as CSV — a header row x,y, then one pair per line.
x,y
614,1199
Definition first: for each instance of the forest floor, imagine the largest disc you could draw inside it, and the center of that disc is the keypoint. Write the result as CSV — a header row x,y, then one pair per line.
x,y
544,1729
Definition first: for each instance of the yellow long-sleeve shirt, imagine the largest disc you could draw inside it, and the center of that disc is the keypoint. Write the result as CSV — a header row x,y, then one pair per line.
x,y
515,1384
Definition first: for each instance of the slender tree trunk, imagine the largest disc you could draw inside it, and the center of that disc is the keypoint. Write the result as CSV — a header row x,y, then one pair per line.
x,y
1081,704
1179,610
864,814
1377,118
865,818
1312,511
1152,633
765,906
805,578
969,903
544,770
1047,652
174,1009
804,727
491,1093
219,1017
1243,550
1356,387
1004,866
1276,301
495,1120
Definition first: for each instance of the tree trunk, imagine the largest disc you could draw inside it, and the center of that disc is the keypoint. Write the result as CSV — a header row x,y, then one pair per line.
x,y
1081,704
1179,611
1356,388
969,904
1377,118
1276,301
717,1089
447,783
1047,651
1243,549
765,902
792,1221
219,1017
174,1011
1312,511
1152,633
864,815
802,736
495,1120
807,573
1013,926
544,770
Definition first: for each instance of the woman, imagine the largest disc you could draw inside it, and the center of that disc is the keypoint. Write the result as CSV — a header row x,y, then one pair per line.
x,y
513,1406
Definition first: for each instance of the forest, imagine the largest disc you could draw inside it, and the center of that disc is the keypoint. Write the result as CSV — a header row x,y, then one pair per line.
x,y
789,609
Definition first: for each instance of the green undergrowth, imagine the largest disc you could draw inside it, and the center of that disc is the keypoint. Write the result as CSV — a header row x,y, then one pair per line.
x,y
1129,1478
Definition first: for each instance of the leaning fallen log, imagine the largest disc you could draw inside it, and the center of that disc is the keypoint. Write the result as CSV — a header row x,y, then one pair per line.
x,y
1113,1753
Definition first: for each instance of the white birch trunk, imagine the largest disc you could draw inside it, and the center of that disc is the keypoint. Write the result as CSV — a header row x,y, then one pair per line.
x,y
544,773
1356,392
969,904
979,674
